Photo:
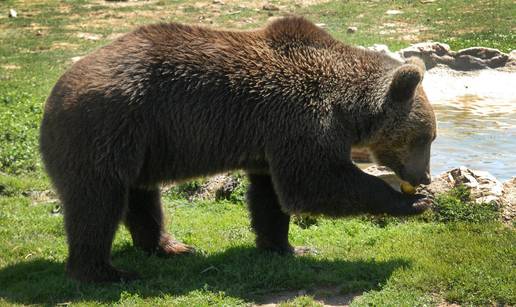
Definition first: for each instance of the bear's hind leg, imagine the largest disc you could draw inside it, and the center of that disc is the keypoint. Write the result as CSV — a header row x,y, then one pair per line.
x,y
92,212
144,219
269,222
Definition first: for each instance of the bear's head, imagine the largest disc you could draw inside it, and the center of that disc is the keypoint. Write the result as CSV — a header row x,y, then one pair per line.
x,y
409,126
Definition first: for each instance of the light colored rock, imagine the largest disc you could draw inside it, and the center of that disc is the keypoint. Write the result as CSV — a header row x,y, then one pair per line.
x,y
479,57
380,48
384,49
509,200
89,36
76,58
270,7
216,187
512,55
434,53
393,12
352,29
483,186
321,25
13,13
427,51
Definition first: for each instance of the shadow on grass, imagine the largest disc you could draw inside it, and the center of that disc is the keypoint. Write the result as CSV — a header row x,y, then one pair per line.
x,y
241,272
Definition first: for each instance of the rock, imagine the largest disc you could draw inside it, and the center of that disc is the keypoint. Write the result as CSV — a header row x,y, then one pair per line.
x,y
352,29
218,2
270,7
508,200
384,49
483,186
511,62
380,48
433,53
480,52
229,185
38,197
427,51
466,62
489,57
76,58
216,187
512,55
321,25
12,13
393,12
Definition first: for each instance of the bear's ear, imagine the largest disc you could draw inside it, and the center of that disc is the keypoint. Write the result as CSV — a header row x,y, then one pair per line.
x,y
416,61
405,80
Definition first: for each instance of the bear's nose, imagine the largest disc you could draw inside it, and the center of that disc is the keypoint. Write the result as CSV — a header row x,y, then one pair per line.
x,y
427,179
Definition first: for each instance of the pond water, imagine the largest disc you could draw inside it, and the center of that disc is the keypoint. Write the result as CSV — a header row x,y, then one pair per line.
x,y
476,115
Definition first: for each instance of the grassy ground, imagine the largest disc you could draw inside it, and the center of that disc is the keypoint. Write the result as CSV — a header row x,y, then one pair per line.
x,y
459,256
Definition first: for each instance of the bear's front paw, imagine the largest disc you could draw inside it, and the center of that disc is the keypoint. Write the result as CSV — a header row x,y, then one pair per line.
x,y
412,204
169,246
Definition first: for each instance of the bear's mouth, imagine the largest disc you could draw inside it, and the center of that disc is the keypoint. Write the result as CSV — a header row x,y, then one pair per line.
x,y
413,180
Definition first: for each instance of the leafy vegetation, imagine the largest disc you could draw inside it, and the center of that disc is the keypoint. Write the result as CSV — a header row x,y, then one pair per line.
x,y
458,206
459,253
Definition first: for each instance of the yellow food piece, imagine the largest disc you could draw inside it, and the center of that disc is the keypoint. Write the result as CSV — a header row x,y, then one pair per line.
x,y
407,188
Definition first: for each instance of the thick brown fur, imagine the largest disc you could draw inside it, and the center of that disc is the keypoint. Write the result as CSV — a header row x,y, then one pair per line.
x,y
285,103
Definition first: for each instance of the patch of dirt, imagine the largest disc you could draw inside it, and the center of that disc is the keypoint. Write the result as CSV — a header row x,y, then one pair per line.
x,y
409,32
206,11
36,26
114,36
64,45
126,3
39,197
10,66
103,20
64,8
327,296
89,36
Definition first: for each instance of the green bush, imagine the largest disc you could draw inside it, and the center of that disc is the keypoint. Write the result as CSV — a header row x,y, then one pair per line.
x,y
457,206
186,189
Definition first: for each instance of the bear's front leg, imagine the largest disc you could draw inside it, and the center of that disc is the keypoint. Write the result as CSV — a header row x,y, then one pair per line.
x,y
321,180
144,219
268,221
92,211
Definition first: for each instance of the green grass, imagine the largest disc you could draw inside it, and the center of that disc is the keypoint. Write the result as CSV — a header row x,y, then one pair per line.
x,y
459,253
414,261
460,23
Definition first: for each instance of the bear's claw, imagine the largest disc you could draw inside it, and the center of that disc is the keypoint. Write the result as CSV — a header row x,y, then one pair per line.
x,y
170,246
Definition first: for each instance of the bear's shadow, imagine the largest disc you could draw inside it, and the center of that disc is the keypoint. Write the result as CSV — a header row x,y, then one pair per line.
x,y
241,272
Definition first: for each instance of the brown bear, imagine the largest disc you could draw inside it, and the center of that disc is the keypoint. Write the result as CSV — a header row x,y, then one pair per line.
x,y
285,103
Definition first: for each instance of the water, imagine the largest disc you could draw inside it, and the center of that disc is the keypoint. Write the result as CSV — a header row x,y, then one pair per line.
x,y
476,115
